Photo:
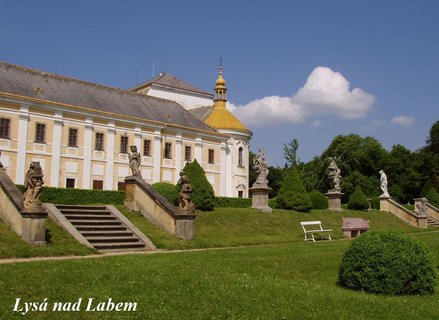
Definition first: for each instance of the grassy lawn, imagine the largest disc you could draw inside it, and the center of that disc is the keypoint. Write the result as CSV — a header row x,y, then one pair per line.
x,y
225,227
285,281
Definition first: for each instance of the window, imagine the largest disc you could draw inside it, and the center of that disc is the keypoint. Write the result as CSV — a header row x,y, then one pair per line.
x,y
99,141
240,194
187,153
211,156
124,144
70,183
40,133
240,157
4,128
147,148
168,150
73,137
98,184
121,186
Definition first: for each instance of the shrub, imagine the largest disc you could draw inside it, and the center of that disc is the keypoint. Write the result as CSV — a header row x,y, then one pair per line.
x,y
375,203
202,194
79,196
388,263
318,199
168,191
292,194
358,200
226,202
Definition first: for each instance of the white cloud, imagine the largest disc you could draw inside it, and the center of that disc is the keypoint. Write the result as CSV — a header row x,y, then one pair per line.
x,y
316,123
325,93
405,121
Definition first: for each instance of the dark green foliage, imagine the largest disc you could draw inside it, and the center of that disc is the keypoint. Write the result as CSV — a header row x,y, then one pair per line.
x,y
202,194
318,199
168,191
226,202
433,197
388,263
272,203
375,203
358,200
292,194
79,196
275,177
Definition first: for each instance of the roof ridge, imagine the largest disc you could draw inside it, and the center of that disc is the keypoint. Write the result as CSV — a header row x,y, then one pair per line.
x,y
84,82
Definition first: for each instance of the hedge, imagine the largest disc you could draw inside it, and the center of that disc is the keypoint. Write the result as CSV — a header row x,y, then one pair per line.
x,y
169,191
79,196
226,202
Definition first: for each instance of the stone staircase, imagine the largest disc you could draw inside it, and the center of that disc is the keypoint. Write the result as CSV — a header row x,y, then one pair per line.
x,y
431,222
102,228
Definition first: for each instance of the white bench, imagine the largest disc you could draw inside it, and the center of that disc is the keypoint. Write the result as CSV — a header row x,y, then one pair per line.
x,y
314,227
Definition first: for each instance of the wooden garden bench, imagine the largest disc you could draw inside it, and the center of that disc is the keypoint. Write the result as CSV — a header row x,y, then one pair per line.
x,y
312,227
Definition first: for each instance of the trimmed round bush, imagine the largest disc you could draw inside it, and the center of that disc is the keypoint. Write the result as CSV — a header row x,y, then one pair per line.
x,y
388,263
318,199
202,191
169,191
358,200
292,194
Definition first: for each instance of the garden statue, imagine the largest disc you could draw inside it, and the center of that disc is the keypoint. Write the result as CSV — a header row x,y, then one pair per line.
x,y
186,205
421,207
33,185
260,165
334,175
383,181
135,160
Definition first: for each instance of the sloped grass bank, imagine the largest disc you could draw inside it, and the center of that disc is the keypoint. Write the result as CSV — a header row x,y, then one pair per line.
x,y
59,243
287,281
225,227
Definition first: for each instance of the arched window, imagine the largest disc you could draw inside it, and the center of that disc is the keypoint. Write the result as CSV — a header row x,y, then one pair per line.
x,y
240,157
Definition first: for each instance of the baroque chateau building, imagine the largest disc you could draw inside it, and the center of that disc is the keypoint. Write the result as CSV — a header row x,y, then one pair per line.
x,y
81,132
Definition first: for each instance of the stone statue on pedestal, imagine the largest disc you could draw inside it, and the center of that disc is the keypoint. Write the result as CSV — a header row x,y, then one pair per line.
x,y
383,181
185,197
135,160
334,175
260,165
33,185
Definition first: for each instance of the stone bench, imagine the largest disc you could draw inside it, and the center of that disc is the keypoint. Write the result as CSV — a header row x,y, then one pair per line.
x,y
352,227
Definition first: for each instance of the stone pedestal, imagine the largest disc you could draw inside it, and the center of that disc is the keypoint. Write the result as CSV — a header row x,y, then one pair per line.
x,y
334,200
384,205
34,227
260,199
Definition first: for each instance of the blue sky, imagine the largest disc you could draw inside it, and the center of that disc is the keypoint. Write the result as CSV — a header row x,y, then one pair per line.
x,y
308,70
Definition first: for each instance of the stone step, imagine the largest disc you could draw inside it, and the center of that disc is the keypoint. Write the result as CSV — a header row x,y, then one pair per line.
x,y
109,233
85,212
79,207
72,217
119,246
108,240
85,222
99,228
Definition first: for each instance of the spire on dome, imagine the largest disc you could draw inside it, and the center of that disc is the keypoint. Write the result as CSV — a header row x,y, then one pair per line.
x,y
220,97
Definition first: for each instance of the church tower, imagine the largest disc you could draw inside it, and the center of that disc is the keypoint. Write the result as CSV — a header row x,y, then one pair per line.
x,y
235,153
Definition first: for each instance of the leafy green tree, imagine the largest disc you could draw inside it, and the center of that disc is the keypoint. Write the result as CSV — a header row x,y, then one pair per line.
x,y
292,194
275,177
202,191
433,139
290,153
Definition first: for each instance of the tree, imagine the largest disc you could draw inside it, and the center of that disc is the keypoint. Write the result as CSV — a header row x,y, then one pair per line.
x,y
290,153
358,200
202,191
292,194
433,139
